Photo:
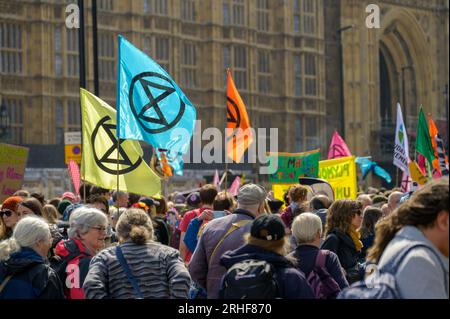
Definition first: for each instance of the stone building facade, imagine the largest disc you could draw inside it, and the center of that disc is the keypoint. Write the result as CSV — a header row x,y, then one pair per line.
x,y
285,56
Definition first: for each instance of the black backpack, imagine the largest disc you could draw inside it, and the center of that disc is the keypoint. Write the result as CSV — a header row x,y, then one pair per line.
x,y
250,279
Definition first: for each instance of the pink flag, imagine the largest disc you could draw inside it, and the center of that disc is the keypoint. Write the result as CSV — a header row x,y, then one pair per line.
x,y
74,172
234,188
216,181
338,148
421,163
405,184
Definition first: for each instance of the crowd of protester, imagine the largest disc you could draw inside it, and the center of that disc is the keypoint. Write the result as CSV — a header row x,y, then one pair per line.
x,y
210,244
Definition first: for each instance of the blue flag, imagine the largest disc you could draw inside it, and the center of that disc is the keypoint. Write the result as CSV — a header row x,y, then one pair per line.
x,y
367,166
151,107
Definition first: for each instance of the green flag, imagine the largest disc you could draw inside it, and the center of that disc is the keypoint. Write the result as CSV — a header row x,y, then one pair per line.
x,y
423,141
105,158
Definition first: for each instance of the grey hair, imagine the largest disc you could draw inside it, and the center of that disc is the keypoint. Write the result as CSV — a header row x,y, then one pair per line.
x,y
28,232
305,227
117,213
117,194
84,218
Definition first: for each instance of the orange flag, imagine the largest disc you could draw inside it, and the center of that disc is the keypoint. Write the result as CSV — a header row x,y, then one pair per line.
x,y
433,134
239,135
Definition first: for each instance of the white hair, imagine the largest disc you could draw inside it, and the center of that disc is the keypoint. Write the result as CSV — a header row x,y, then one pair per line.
x,y
28,232
305,227
84,218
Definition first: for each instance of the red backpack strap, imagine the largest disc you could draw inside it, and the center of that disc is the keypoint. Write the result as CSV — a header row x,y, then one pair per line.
x,y
321,258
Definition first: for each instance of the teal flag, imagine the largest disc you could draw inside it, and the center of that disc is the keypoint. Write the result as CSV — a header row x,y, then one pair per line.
x,y
151,107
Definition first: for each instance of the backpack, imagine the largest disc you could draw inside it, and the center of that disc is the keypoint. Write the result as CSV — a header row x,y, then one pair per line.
x,y
250,279
381,284
322,283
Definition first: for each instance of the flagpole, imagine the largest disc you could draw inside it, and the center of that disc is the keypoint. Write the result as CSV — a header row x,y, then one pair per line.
x,y
226,162
226,177
118,145
396,178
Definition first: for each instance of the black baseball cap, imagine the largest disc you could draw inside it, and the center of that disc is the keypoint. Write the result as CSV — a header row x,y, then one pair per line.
x,y
268,227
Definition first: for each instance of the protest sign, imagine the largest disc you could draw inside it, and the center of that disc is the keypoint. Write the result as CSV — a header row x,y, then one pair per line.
x,y
13,160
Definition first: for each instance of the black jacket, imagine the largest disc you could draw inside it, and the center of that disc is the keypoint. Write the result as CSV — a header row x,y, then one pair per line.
x,y
292,282
342,245
31,277
306,260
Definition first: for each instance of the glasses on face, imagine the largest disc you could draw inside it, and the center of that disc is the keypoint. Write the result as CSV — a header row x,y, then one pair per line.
x,y
100,228
6,213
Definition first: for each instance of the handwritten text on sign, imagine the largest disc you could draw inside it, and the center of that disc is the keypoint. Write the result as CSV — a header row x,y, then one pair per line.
x,y
341,174
13,160
291,166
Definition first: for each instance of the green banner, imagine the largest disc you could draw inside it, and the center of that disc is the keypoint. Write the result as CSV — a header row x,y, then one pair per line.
x,y
291,166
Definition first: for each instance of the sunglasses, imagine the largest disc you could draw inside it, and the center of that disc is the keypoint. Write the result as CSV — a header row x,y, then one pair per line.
x,y
6,213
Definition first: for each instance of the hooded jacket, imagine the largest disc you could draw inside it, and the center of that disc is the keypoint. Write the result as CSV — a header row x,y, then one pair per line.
x,y
80,263
423,272
31,277
291,282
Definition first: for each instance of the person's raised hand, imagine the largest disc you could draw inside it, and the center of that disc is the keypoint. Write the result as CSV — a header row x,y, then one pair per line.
x,y
206,215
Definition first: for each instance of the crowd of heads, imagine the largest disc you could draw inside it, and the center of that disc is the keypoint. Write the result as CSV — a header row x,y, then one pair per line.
x,y
98,217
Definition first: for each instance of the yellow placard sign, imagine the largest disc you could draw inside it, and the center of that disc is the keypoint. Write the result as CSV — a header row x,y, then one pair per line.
x,y
341,174
279,190
416,174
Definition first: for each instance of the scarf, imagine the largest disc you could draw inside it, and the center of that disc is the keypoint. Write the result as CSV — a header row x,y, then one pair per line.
x,y
355,235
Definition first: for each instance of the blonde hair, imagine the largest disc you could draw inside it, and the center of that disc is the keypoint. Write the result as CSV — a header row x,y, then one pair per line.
x,y
136,225
28,232
305,227
50,213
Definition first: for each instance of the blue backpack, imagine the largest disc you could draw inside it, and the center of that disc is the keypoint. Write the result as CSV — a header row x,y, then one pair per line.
x,y
382,283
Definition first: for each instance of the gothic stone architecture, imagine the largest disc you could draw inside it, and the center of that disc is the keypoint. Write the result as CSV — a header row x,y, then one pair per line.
x,y
285,56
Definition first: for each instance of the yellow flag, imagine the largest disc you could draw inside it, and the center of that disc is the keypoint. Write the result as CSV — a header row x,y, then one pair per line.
x,y
104,157
416,173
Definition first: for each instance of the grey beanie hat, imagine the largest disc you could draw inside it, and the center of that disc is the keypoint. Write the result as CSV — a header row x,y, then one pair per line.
x,y
251,194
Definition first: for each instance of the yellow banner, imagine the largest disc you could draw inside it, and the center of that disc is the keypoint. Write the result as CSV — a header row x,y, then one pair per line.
x,y
341,174
13,160
416,174
280,189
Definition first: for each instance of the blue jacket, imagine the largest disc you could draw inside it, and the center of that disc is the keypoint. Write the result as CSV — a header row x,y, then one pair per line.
x,y
31,278
292,283
306,259
190,238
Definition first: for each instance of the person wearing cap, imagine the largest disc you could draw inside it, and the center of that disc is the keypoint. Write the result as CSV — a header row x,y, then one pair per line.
x,y
275,205
267,242
193,200
69,196
207,195
9,217
224,234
